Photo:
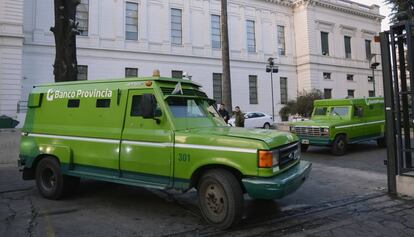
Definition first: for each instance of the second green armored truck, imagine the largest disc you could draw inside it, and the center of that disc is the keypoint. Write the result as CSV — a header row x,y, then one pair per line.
x,y
339,122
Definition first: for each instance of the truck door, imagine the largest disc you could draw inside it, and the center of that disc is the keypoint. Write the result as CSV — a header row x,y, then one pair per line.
x,y
359,129
146,145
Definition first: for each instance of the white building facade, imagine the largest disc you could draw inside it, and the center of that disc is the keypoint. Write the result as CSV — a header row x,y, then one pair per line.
x,y
133,37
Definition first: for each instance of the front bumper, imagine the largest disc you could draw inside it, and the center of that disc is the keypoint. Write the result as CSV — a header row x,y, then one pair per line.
x,y
279,185
317,141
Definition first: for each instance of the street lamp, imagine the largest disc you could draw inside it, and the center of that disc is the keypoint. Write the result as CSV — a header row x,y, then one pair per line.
x,y
270,67
373,66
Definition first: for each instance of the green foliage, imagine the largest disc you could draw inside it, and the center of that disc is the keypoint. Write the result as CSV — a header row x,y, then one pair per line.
x,y
303,105
401,10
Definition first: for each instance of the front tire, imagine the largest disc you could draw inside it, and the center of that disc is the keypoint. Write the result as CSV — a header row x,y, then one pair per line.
x,y
339,145
221,198
50,181
304,147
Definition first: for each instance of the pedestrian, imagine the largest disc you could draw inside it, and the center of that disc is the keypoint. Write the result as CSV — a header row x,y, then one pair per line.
x,y
239,121
224,114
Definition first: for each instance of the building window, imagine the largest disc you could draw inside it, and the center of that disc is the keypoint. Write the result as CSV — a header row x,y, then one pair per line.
x,y
251,36
325,43
327,75
371,94
349,77
368,49
253,89
131,21
215,32
283,90
176,26
217,96
82,17
177,74
327,93
370,79
347,41
351,93
82,72
281,40
131,72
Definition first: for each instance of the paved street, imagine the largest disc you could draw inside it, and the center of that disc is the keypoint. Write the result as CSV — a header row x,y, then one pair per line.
x,y
344,196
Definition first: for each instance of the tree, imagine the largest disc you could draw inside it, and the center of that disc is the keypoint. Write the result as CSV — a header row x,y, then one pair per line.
x,y
225,58
401,10
303,105
65,31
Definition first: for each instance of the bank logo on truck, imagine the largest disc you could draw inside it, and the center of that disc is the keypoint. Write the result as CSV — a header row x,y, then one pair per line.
x,y
75,94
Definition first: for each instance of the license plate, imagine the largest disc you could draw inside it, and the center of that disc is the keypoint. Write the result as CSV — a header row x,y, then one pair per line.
x,y
305,141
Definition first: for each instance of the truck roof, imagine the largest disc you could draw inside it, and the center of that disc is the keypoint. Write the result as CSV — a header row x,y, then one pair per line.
x,y
122,80
356,101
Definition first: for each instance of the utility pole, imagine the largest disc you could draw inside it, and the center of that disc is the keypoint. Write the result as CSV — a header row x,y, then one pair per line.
x,y
65,31
225,57
272,68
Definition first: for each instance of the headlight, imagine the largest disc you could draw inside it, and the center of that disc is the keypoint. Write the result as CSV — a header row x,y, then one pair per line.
x,y
268,159
292,128
325,131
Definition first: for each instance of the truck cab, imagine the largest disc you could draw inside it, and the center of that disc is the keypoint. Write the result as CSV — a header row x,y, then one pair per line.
x,y
339,122
154,132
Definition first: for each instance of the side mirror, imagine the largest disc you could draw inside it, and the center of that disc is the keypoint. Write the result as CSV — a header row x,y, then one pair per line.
x,y
148,105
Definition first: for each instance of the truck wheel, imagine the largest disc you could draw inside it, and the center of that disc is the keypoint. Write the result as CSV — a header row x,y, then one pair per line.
x,y
50,181
266,126
339,145
381,142
221,198
304,147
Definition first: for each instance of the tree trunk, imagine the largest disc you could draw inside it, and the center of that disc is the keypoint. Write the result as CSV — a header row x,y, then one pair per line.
x,y
226,79
65,31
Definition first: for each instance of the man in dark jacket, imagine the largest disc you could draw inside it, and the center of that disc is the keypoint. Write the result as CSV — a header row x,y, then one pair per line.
x,y
224,114
239,121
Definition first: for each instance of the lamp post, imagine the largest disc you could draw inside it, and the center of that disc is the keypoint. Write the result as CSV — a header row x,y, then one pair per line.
x,y
373,66
270,67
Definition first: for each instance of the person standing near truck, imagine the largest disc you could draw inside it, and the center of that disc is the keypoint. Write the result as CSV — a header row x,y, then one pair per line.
x,y
239,122
224,114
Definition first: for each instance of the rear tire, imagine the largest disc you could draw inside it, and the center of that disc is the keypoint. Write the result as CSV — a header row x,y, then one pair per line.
x,y
266,126
304,147
50,181
381,142
221,198
339,145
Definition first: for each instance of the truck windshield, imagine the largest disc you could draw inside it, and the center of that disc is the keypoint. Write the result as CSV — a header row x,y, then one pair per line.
x,y
320,111
340,111
191,108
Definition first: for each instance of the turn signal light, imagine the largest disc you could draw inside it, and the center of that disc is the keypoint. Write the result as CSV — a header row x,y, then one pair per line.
x,y
265,159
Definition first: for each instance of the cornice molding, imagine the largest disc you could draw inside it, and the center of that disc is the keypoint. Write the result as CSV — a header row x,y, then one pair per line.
x,y
338,7
285,3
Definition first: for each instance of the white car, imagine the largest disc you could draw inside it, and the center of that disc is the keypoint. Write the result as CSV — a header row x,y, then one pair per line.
x,y
255,120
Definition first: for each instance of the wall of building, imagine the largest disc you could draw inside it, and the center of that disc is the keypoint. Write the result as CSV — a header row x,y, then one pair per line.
x,y
11,42
107,53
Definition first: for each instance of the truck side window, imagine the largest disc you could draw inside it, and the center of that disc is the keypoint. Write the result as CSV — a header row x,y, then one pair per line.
x,y
136,110
103,103
73,103
135,107
358,111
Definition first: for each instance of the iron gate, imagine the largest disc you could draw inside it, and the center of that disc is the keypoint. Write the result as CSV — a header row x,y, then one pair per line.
x,y
398,73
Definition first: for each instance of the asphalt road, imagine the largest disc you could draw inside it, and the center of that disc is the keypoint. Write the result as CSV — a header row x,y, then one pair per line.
x,y
105,209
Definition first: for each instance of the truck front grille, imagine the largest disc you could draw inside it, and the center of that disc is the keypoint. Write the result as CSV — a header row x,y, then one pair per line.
x,y
308,131
288,154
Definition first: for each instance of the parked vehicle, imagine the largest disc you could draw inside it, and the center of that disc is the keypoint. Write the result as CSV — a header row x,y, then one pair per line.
x,y
255,120
339,122
160,133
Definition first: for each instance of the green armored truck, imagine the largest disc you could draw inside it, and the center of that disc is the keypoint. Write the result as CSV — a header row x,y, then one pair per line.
x,y
339,122
154,132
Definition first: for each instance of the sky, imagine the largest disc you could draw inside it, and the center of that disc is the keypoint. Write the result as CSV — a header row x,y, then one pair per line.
x,y
384,10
